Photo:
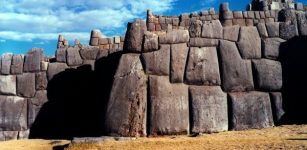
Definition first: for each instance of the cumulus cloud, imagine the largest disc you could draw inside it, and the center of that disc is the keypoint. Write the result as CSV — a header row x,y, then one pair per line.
x,y
25,20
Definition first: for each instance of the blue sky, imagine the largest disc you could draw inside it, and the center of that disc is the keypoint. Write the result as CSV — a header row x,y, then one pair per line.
x,y
37,23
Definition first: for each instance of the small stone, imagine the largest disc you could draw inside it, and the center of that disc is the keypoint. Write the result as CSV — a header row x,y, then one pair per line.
x,y
95,33
179,53
117,40
44,65
268,74
202,67
157,62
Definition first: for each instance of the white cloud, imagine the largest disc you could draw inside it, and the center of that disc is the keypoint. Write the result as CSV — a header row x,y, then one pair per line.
x,y
25,20
2,41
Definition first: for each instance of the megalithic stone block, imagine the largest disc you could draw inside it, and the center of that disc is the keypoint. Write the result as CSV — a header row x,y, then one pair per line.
x,y
89,52
60,55
73,57
236,73
271,47
268,74
134,36
35,104
126,110
26,85
302,23
13,113
209,109
202,67
33,60
179,53
250,110
151,42
287,30
212,29
174,36
17,64
231,33
169,107
54,69
6,62
249,43
195,28
277,109
157,62
7,84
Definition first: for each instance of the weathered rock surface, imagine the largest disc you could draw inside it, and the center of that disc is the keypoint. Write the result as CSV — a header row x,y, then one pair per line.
x,y
277,109
33,60
302,23
273,29
174,36
89,52
97,140
203,42
169,109
262,30
55,68
134,36
287,30
151,42
60,55
236,73
13,113
41,81
6,62
249,43
179,53
209,109
231,33
26,85
17,64
250,110
268,74
203,67
73,57
8,85
8,135
35,104
126,110
214,29
271,47
195,28
157,62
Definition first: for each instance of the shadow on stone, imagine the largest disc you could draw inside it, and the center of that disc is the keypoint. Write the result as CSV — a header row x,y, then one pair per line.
x,y
293,57
77,101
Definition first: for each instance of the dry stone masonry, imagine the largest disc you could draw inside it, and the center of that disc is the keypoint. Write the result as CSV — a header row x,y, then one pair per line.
x,y
194,73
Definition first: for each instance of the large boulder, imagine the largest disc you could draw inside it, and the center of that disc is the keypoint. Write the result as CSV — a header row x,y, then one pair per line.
x,y
126,110
8,85
26,85
273,29
55,68
268,74
203,42
277,109
249,43
179,53
287,30
73,57
203,67
13,113
150,42
262,30
6,62
134,36
35,104
212,29
231,33
174,36
157,62
209,109
271,47
17,64
41,81
33,60
236,73
8,135
250,110
302,23
169,107
195,28
60,54
89,52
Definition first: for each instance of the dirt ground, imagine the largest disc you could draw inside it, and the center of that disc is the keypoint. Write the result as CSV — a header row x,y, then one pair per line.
x,y
283,137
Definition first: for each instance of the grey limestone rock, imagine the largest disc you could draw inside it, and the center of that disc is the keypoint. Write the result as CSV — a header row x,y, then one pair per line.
x,y
55,68
174,36
179,53
277,109
26,85
17,64
249,43
33,60
73,57
212,29
60,55
195,28
134,36
203,42
231,33
151,42
271,47
89,52
6,62
8,84
157,62
273,29
41,81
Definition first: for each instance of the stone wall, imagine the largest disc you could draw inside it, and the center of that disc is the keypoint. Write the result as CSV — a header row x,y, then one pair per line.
x,y
197,73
